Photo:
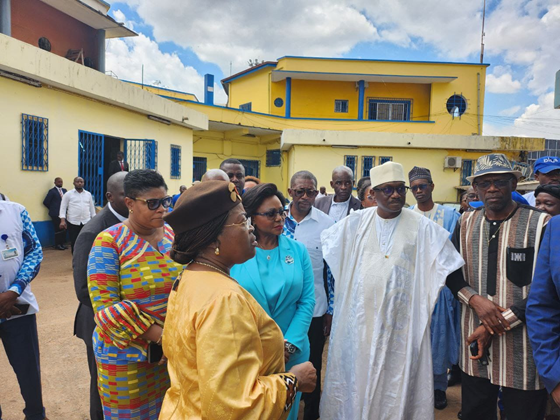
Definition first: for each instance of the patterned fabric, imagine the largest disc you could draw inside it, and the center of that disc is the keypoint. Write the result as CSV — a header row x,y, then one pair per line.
x,y
32,256
291,386
511,361
129,283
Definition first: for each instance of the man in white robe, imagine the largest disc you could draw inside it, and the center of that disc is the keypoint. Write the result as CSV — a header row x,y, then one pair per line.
x,y
389,264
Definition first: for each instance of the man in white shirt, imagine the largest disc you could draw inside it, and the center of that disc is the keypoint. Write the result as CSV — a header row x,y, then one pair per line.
x,y
547,172
339,205
76,209
305,224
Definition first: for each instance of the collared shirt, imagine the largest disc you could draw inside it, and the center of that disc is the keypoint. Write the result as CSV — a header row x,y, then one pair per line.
x,y
117,215
77,208
339,211
16,273
60,191
385,230
308,232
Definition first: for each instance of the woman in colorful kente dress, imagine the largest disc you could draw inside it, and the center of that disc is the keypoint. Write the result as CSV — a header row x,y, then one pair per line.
x,y
130,275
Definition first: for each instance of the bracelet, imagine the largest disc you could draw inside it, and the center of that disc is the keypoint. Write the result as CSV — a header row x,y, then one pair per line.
x,y
160,337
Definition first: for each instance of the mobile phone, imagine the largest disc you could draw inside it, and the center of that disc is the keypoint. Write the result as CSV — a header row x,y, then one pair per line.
x,y
155,353
23,307
474,352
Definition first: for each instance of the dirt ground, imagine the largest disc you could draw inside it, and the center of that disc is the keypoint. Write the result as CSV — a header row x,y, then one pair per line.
x,y
63,357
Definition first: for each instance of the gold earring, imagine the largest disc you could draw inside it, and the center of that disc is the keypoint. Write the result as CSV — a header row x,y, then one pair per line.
x,y
217,251
131,211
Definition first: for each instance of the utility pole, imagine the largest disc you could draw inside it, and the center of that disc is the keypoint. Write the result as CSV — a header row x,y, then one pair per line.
x,y
482,35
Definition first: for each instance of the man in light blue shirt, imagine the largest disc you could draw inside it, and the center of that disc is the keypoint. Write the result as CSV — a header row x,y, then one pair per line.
x,y
305,224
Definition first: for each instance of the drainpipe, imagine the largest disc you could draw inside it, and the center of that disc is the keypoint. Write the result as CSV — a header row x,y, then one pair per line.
x,y
209,89
361,85
288,97
5,17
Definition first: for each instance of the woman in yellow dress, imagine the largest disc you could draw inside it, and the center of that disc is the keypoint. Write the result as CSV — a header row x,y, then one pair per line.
x,y
225,354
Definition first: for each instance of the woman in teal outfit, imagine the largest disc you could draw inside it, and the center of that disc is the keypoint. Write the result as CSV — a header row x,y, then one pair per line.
x,y
280,276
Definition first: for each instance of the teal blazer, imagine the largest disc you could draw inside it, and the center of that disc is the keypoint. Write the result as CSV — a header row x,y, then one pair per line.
x,y
294,308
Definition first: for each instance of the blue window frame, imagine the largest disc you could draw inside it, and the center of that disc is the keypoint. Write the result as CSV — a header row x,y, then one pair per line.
x,y
383,159
341,105
246,107
274,157
141,153
34,143
175,162
199,168
456,105
466,170
368,162
389,109
352,163
252,167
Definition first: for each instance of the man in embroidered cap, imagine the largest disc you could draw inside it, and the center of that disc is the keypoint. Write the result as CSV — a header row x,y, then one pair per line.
x,y
445,319
389,264
499,243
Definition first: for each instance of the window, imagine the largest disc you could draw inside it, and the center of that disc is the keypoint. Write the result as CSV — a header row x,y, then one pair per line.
x,y
141,153
252,167
352,163
368,162
389,109
175,162
383,159
456,105
246,107
278,102
466,170
199,168
34,143
273,157
341,105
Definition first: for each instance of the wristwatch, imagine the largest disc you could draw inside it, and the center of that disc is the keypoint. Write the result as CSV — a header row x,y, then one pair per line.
x,y
290,348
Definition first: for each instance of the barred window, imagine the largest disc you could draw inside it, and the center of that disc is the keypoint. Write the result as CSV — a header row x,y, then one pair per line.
x,y
368,162
175,162
34,143
352,163
384,159
341,105
274,157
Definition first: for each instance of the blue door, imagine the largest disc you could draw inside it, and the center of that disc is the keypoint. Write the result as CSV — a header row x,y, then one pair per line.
x,y
90,163
140,153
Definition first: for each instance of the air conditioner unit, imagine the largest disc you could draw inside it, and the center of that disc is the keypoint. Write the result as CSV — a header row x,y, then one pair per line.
x,y
453,162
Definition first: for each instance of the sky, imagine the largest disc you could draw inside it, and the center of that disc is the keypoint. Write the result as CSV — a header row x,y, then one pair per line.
x,y
180,41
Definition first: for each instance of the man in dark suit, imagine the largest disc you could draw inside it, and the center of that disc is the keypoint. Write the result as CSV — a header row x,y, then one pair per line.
x,y
339,205
52,202
114,212
118,165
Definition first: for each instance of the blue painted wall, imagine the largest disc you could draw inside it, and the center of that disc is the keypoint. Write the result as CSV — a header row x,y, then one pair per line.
x,y
45,232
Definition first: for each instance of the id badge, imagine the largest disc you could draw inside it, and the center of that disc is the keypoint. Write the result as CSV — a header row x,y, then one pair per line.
x,y
9,253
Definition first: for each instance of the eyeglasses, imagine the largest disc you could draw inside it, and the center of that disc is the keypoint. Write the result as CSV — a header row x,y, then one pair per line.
x,y
302,191
154,203
498,183
389,191
421,187
271,214
246,223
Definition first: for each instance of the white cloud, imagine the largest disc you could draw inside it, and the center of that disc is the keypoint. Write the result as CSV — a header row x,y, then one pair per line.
x,y
510,111
502,84
540,119
225,32
125,58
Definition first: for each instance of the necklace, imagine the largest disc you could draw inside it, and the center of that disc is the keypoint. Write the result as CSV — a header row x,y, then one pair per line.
x,y
214,268
499,227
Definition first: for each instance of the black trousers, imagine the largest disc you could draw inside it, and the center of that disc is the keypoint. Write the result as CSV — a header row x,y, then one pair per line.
x,y
480,398
21,343
316,344
73,232
59,234
95,407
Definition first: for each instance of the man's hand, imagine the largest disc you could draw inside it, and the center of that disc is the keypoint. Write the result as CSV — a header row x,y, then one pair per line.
x,y
556,394
7,301
489,314
327,324
63,224
10,313
483,337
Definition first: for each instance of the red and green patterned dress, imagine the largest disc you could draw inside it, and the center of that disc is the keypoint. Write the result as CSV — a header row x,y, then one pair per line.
x,y
129,283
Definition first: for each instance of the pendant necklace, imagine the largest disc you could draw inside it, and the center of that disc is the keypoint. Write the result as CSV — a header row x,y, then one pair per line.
x,y
501,224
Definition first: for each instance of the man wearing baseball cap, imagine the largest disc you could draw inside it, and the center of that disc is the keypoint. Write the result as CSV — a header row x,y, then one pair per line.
x,y
547,172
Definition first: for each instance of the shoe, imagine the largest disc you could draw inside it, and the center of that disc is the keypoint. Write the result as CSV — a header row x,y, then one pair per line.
x,y
454,376
60,247
440,399
64,247
460,415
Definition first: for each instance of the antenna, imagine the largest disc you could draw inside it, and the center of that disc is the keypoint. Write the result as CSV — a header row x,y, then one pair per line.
x,y
482,34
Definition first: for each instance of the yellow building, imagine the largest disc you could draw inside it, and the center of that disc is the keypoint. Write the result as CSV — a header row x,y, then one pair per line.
x,y
60,118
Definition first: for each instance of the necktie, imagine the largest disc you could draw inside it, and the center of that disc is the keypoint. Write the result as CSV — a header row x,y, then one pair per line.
x,y
60,192
122,166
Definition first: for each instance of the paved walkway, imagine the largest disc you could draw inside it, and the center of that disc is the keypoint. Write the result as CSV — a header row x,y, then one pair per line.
x,y
63,356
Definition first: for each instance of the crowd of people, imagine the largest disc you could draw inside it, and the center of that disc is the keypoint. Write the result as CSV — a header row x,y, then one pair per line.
x,y
217,302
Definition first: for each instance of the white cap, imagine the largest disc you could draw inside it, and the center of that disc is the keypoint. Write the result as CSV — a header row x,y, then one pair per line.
x,y
388,172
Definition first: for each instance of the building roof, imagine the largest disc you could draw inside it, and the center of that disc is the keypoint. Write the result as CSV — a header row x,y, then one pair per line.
x,y
92,13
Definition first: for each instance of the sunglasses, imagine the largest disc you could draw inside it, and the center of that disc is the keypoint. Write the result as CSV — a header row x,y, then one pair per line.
x,y
420,187
389,191
302,191
154,203
498,183
271,214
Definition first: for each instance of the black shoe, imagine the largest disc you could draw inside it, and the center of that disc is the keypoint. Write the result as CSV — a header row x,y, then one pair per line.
x,y
440,399
460,415
60,247
454,376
